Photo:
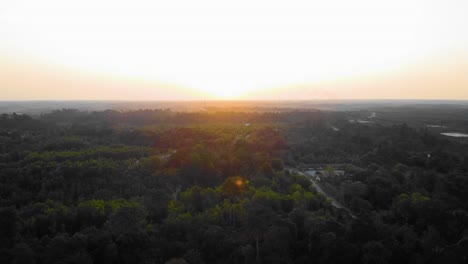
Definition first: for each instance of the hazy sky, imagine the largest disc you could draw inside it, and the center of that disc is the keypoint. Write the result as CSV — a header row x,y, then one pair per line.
x,y
162,50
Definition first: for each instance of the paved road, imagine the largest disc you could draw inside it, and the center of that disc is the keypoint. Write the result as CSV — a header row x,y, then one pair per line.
x,y
334,203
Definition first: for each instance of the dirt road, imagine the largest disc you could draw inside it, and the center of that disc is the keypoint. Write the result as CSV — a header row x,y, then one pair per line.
x,y
316,185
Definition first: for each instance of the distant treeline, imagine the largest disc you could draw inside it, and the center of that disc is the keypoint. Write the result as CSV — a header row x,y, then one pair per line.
x,y
145,117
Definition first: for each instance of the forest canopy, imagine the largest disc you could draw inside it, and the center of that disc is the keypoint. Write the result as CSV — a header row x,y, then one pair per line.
x,y
154,186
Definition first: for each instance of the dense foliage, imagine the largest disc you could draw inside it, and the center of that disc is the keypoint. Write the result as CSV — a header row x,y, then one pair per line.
x,y
221,187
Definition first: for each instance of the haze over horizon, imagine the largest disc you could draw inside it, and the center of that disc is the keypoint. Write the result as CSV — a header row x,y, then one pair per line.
x,y
262,50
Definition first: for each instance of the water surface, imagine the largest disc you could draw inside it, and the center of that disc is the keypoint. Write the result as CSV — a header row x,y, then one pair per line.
x,y
454,134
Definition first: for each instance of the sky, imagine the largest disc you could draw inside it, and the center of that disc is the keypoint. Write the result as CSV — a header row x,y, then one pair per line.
x,y
193,50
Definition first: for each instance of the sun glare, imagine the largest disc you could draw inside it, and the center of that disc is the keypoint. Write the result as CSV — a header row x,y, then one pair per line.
x,y
239,183
225,93
228,51
222,90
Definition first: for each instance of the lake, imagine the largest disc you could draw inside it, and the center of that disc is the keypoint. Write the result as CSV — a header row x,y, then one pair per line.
x,y
454,134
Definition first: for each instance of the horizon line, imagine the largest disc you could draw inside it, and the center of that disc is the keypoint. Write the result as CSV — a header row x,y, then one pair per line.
x,y
227,100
